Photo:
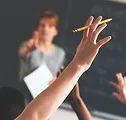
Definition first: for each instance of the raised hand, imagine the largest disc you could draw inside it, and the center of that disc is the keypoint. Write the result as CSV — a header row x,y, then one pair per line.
x,y
89,46
120,86
78,104
29,45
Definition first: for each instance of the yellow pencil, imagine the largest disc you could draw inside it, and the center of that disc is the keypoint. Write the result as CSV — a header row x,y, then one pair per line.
x,y
84,28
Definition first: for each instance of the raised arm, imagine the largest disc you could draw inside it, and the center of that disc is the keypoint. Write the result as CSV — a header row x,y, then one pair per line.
x,y
45,104
78,104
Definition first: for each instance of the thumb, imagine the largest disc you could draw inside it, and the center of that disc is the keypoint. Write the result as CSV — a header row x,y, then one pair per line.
x,y
103,41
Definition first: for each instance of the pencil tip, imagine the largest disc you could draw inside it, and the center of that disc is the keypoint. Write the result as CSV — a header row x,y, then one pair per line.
x,y
75,30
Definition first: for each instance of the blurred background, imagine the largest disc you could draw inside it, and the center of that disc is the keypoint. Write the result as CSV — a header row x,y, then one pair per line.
x,y
18,19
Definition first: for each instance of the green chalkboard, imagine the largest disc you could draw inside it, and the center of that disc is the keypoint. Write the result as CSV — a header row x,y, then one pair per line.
x,y
94,84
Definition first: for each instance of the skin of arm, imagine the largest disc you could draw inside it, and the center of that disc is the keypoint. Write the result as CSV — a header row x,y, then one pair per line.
x,y
46,103
78,104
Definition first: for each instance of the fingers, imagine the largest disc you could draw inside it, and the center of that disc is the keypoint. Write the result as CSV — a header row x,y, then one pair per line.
x,y
92,32
96,23
87,50
103,41
120,87
94,26
88,23
86,32
97,32
120,78
115,85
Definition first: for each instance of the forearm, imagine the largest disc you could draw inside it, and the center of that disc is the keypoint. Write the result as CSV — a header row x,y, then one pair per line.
x,y
46,103
80,109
